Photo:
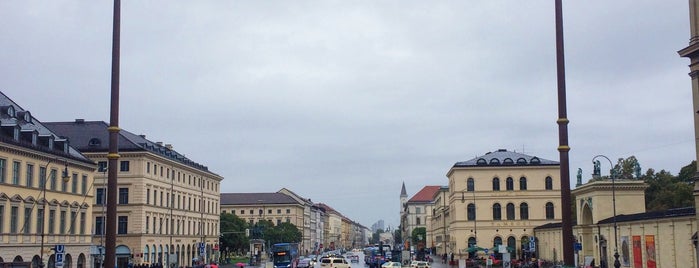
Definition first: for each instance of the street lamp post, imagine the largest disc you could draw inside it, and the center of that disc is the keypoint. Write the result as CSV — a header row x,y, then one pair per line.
x,y
65,177
612,175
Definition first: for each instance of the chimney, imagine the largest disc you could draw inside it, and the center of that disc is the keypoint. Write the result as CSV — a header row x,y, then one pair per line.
x,y
168,146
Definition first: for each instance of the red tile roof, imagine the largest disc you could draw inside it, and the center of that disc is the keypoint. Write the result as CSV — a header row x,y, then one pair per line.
x,y
425,195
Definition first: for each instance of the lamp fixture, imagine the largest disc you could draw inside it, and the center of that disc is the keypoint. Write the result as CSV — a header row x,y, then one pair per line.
x,y
65,175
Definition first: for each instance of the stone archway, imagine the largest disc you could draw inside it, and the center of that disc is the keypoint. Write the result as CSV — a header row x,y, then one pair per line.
x,y
81,261
68,261
36,260
18,259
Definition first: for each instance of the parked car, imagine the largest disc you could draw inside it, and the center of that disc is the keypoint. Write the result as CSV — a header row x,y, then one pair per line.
x,y
334,262
305,263
419,264
391,264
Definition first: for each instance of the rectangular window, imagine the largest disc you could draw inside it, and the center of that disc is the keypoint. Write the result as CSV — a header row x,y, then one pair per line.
x,y
279,211
2,219
124,166
3,170
288,211
62,223
123,224
147,196
84,185
161,198
99,225
53,180
40,221
14,215
30,175
155,197
52,221
123,196
148,168
82,223
102,166
155,169
73,218
279,221
15,172
99,196
27,220
74,188
147,223
42,178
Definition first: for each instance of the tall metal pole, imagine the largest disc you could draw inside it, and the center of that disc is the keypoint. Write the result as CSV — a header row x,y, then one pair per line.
x,y
113,156
563,148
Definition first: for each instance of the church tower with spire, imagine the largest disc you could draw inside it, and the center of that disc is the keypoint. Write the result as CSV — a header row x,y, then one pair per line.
x,y
403,212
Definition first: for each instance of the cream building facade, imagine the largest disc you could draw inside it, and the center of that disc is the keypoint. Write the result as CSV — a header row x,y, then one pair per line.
x,y
643,239
46,194
438,227
167,203
416,213
498,199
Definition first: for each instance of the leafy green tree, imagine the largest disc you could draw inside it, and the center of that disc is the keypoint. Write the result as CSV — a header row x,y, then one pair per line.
x,y
398,237
233,232
418,236
376,236
284,232
687,173
666,191
625,169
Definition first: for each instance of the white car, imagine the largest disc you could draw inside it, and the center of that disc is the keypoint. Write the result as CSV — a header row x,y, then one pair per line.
x,y
391,264
334,262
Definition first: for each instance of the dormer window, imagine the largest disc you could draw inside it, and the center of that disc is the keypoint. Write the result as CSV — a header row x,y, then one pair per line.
x,y
94,142
508,161
521,161
9,110
494,161
481,161
535,160
25,116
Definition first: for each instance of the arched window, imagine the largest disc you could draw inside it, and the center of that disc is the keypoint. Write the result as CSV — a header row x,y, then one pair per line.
x,y
524,211
549,183
497,241
549,211
471,209
469,185
495,161
481,162
497,212
471,241
496,184
510,184
523,183
508,161
510,211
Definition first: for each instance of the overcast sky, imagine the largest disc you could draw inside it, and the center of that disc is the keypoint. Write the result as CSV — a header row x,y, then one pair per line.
x,y
342,101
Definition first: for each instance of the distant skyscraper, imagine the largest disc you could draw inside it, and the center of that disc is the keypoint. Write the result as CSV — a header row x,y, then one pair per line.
x,y
378,225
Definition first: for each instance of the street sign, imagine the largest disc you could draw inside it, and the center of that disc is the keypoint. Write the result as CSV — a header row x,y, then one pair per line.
x,y
60,253
202,249
577,246
59,259
532,244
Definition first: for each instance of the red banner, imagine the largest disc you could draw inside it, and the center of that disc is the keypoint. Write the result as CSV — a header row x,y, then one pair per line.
x,y
637,255
650,251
